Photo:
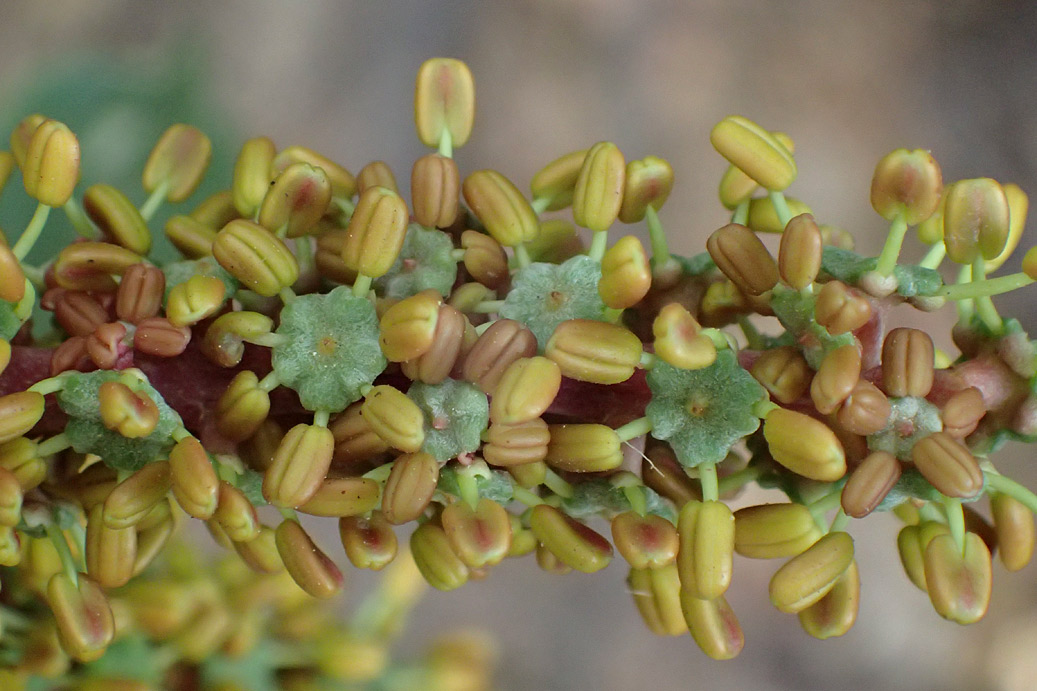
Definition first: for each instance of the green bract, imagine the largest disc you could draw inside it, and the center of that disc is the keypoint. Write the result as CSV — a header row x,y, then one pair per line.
x,y
331,351
180,272
79,400
599,497
849,266
702,413
917,415
545,295
795,311
424,262
456,413
495,486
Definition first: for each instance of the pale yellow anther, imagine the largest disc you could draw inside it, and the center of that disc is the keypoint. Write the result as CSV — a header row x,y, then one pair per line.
x,y
179,161
195,299
118,217
525,391
395,418
295,201
584,448
256,257
907,184
500,206
252,175
444,102
408,328
130,413
808,577
976,220
598,194
763,217
376,232
755,151
51,167
555,182
626,275
648,184
679,340
804,445
594,351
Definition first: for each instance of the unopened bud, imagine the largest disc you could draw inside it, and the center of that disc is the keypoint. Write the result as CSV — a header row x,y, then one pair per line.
x,y
799,257
194,481
395,418
525,391
435,187
19,413
134,497
481,536
130,413
804,445
679,340
376,232
648,183
784,372
594,351
140,293
771,531
743,258
252,175
707,540
975,220
755,151
809,576
295,201
256,257
436,559
83,615
500,345
959,583
625,274
556,181
192,238
343,184
646,542
300,465
516,444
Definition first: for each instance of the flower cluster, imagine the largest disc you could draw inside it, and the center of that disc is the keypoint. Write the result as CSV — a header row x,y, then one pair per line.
x,y
465,364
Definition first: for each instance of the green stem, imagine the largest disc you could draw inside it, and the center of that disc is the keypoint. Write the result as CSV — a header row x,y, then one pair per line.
x,y
891,250
379,474
523,495
738,479
709,481
80,222
457,255
32,232
1006,485
469,488
488,307
50,385
446,144
362,285
345,205
633,429
53,445
762,409
36,275
657,237
741,214
599,243
647,360
612,315
934,257
269,382
966,306
321,417
557,485
288,514
955,520
287,295
635,494
522,255
985,288
540,205
155,200
268,340
753,338
781,206
304,253
928,512
68,563
985,309
819,508
839,522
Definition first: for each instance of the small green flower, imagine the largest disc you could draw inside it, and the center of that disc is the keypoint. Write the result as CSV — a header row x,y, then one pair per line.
x,y
849,267
495,485
79,400
424,262
599,497
545,295
704,412
179,272
456,413
331,351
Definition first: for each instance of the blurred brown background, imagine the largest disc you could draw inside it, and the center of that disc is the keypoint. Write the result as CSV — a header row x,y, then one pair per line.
x,y
849,81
